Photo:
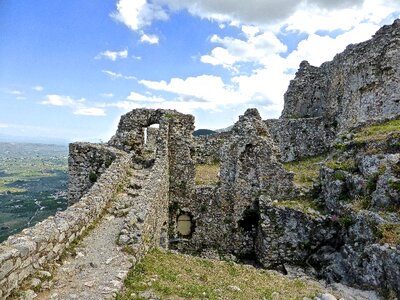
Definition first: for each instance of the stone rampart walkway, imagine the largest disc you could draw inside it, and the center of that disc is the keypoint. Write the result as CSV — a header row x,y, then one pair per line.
x,y
98,266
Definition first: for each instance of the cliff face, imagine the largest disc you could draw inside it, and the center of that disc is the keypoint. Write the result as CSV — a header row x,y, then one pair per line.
x,y
359,85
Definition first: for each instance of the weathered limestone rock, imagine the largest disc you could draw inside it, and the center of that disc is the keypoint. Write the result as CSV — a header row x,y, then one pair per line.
x,y
358,85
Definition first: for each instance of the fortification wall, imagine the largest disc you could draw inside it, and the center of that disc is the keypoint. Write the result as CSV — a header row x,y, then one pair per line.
x,y
86,163
359,85
300,138
31,250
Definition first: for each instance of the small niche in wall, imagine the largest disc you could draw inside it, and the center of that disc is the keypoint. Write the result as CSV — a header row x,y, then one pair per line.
x,y
184,225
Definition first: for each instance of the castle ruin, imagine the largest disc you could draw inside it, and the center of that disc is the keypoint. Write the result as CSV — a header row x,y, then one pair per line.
x,y
255,210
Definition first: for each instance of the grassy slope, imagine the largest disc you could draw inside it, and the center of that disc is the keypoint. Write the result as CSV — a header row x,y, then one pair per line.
x,y
176,276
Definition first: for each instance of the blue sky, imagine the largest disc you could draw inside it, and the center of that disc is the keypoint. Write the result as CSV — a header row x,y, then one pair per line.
x,y
70,69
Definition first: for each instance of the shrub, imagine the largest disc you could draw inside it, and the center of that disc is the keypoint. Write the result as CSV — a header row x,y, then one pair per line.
x,y
92,177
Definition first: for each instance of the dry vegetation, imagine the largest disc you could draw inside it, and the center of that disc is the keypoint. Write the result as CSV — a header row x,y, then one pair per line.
x,y
390,233
306,171
207,174
176,276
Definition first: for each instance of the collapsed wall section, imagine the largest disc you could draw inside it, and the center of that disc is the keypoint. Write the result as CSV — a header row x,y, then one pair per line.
x,y
31,250
86,163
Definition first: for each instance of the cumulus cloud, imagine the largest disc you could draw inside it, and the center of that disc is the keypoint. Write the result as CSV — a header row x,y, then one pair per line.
x,y
114,75
113,55
207,88
254,48
260,63
78,106
137,14
149,38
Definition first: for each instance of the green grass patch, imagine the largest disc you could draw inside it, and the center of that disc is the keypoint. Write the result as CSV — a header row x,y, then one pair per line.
x,y
175,276
306,171
389,233
207,174
344,165
377,132
306,206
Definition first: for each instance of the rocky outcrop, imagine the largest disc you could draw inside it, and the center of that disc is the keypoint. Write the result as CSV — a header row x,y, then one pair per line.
x,y
301,138
359,85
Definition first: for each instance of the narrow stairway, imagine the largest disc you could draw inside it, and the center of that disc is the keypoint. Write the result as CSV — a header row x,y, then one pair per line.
x,y
98,266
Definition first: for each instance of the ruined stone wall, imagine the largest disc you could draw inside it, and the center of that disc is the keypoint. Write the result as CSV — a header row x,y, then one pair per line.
x,y
225,217
300,138
359,85
207,148
86,163
146,224
31,250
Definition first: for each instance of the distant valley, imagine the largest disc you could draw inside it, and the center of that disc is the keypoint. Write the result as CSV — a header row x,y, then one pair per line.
x,y
33,184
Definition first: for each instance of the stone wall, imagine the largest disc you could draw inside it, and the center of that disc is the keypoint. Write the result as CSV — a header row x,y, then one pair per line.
x,y
225,217
359,85
31,250
207,148
86,163
300,138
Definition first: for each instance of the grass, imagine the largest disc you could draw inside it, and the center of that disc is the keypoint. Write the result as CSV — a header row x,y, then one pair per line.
x,y
345,165
306,206
175,276
306,171
207,174
389,233
377,132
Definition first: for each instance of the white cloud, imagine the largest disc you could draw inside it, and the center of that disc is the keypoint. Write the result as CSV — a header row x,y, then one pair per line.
x,y
90,111
15,92
4,125
20,98
114,75
113,55
107,95
78,105
58,100
149,38
261,64
38,88
207,88
133,96
137,14
255,48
